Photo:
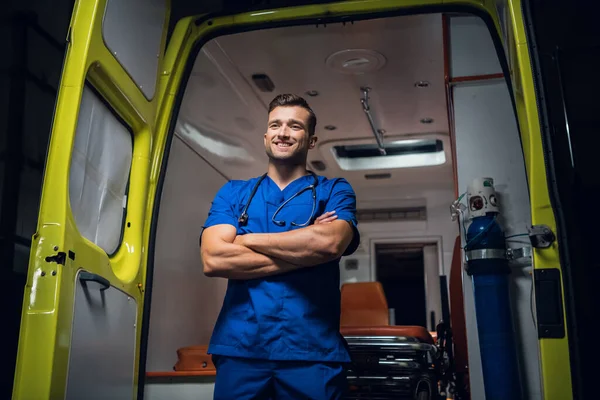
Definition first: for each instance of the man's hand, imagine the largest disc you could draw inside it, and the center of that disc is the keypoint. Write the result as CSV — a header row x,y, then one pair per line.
x,y
326,218
239,240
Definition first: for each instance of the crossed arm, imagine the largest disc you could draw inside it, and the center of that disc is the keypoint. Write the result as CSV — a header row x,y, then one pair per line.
x,y
257,255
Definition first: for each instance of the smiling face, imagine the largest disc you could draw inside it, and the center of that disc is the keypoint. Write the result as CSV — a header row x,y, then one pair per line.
x,y
287,139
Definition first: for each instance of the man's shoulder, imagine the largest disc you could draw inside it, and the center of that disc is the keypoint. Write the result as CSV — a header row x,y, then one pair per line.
x,y
336,183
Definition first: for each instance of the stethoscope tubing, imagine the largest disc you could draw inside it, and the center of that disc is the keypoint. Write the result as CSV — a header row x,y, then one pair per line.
x,y
243,218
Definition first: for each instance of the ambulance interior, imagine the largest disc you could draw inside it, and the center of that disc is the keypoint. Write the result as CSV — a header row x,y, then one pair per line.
x,y
440,115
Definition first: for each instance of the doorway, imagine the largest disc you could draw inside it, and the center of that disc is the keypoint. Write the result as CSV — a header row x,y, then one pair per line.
x,y
409,274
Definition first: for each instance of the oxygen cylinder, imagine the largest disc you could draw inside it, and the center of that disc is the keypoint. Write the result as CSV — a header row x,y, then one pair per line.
x,y
488,265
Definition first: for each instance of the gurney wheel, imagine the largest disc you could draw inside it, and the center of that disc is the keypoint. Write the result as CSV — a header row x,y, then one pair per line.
x,y
423,394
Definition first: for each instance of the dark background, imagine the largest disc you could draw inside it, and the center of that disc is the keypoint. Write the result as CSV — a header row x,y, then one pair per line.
x,y
567,36
401,271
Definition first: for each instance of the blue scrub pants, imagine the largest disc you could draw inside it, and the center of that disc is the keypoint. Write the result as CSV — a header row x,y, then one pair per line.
x,y
245,379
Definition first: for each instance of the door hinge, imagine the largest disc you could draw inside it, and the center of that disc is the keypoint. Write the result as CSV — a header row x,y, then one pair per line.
x,y
541,236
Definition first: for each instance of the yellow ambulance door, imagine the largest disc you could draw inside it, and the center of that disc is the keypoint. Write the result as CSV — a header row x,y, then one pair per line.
x,y
550,291
82,307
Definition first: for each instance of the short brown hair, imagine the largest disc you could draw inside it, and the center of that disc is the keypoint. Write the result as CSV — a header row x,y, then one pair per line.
x,y
291,100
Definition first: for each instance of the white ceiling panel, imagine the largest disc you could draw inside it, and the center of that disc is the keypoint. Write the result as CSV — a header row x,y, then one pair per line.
x,y
224,114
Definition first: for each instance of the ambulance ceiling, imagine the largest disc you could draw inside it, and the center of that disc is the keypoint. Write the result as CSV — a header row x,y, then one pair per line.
x,y
224,113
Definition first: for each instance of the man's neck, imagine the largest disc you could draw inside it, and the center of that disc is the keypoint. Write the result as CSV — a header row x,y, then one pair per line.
x,y
283,174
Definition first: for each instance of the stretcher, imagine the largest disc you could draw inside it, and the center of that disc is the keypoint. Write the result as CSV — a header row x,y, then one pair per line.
x,y
389,362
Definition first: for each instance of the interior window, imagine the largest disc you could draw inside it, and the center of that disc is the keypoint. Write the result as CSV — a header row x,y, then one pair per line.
x,y
99,173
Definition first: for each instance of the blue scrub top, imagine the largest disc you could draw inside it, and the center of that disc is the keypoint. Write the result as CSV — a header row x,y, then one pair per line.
x,y
292,316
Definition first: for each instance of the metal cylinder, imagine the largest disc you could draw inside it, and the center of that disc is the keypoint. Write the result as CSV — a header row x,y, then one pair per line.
x,y
488,266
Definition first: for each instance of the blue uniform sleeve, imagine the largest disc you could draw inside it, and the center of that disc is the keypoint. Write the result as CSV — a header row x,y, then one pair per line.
x,y
343,201
222,209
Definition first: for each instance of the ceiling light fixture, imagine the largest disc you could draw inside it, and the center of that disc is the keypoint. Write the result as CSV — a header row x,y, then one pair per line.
x,y
330,127
407,153
356,61
312,93
422,84
212,145
426,120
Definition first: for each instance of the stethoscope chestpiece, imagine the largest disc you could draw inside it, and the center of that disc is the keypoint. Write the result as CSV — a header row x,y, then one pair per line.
x,y
243,219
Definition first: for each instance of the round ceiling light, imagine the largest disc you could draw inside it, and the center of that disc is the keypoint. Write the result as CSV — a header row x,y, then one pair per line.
x,y
422,84
330,127
312,93
355,61
426,120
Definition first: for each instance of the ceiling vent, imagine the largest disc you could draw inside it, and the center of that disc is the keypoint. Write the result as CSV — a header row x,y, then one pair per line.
x,y
392,214
263,82
378,176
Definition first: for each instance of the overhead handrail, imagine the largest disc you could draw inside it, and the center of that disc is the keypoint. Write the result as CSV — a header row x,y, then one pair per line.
x,y
367,109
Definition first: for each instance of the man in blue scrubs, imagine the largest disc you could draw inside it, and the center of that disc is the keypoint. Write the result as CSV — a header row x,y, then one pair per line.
x,y
278,240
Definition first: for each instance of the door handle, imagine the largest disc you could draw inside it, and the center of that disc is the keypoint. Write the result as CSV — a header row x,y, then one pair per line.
x,y
90,276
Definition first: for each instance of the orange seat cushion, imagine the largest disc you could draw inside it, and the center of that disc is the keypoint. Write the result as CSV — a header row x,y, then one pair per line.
x,y
194,358
364,303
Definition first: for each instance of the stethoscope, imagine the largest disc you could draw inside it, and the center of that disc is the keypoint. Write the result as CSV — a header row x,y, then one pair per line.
x,y
243,219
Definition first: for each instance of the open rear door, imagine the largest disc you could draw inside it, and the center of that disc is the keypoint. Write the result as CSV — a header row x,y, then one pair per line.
x,y
553,311
82,308
564,42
